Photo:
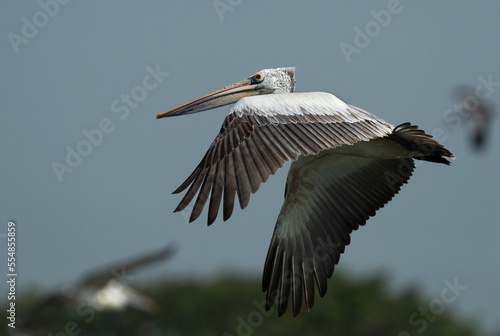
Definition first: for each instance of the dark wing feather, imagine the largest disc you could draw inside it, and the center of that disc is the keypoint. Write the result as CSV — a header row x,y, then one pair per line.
x,y
252,145
328,197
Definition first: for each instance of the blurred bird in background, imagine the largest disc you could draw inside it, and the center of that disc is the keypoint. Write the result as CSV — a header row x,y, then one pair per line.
x,y
107,289
478,114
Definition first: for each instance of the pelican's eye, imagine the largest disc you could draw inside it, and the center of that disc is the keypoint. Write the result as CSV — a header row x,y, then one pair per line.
x,y
258,77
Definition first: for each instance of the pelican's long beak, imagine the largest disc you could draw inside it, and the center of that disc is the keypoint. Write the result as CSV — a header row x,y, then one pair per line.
x,y
227,95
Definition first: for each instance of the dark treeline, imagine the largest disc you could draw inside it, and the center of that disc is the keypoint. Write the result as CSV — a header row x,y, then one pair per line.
x,y
232,306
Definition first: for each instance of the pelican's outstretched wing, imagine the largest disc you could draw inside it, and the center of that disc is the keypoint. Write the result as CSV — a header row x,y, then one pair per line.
x,y
260,134
329,195
327,198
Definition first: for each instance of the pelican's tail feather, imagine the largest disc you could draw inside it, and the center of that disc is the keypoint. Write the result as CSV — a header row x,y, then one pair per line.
x,y
422,144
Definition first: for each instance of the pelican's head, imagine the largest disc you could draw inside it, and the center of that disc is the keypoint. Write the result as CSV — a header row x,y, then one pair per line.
x,y
280,80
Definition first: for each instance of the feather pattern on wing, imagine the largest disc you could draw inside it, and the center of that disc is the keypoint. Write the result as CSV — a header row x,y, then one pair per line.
x,y
260,134
328,196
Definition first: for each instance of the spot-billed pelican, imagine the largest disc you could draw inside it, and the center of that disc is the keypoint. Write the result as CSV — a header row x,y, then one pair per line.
x,y
347,163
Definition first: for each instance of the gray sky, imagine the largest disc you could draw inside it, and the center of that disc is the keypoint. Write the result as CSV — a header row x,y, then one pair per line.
x,y
88,65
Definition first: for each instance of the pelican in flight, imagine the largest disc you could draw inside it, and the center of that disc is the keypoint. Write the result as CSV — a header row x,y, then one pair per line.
x,y
107,289
347,164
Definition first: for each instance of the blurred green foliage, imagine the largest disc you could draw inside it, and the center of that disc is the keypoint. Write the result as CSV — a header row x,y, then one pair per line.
x,y
234,306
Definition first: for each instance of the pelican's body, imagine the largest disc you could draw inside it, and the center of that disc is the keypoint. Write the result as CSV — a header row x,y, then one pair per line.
x,y
347,163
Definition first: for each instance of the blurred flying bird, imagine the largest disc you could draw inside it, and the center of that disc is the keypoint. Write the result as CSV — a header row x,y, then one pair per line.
x,y
106,289
478,115
347,163
109,289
